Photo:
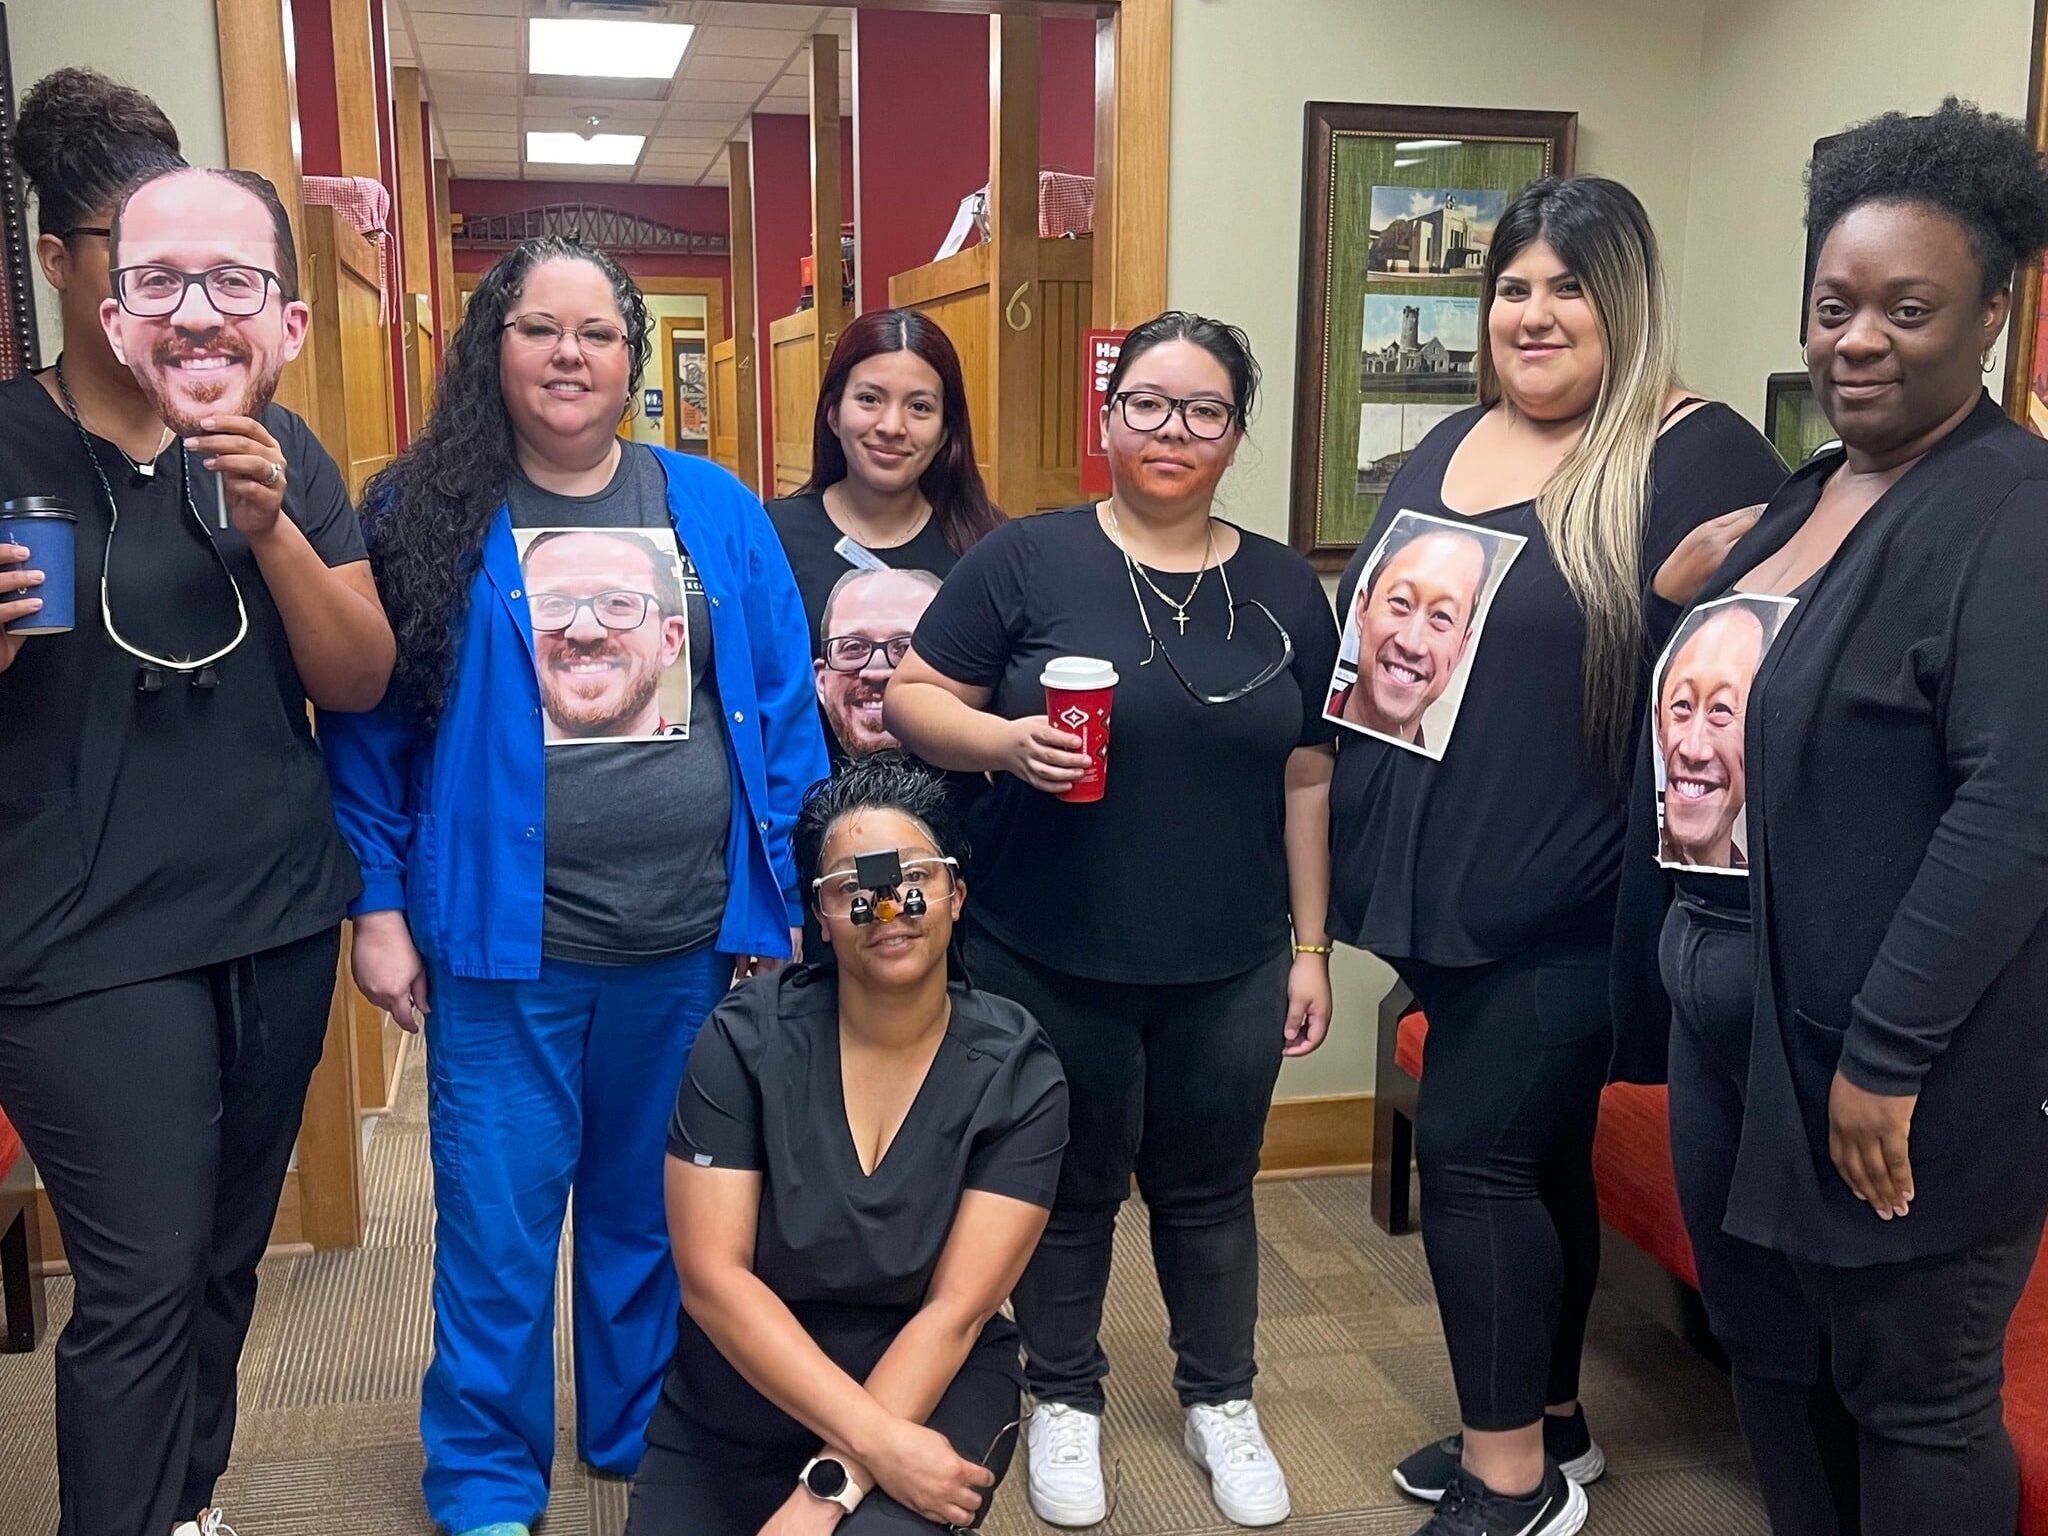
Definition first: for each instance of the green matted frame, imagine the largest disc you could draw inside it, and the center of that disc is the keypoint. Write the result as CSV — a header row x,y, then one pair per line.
x,y
1792,418
1348,150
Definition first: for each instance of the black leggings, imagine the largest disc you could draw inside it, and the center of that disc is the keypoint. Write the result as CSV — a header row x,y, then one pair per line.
x,y
161,1116
1801,1438
1171,1081
695,1483
1516,1059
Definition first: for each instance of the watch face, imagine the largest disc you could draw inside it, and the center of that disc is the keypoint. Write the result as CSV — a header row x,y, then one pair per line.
x,y
826,1478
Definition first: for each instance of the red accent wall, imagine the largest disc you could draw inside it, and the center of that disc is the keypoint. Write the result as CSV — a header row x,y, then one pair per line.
x,y
921,80
313,66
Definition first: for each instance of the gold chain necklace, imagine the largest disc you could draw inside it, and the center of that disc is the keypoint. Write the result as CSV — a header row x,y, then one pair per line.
x,y
1180,609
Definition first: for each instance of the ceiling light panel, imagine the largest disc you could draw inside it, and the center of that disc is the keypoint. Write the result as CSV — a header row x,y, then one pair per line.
x,y
575,149
619,50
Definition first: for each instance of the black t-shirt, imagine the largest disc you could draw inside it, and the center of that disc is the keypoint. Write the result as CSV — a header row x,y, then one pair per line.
x,y
810,539
1514,839
143,834
1179,872
636,831
852,1254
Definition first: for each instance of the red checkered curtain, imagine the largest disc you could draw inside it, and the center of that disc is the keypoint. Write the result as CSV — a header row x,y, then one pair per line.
x,y
365,203
1066,205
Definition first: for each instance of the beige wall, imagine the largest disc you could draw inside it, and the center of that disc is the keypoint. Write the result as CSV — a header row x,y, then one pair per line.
x,y
1775,76
1242,70
165,47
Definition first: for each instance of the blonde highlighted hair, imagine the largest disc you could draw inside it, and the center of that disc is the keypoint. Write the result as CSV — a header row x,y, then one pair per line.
x,y
1596,504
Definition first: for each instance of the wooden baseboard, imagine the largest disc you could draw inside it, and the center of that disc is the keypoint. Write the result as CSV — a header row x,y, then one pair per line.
x,y
1327,1133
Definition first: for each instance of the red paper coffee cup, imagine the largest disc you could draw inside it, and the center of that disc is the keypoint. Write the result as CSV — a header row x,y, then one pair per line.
x,y
1078,691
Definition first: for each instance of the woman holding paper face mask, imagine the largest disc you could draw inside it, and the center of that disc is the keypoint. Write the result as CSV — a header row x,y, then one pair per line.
x,y
1148,931
573,815
167,951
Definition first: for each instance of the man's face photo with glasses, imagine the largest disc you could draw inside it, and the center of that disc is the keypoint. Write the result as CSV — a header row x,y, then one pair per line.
x,y
198,314
869,619
608,625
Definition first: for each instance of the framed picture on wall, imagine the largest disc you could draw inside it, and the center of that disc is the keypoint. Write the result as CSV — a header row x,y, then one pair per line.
x,y
18,345
2026,346
1793,420
1398,210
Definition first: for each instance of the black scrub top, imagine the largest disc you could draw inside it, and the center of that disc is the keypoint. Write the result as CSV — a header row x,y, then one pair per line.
x,y
143,834
852,1254
1179,872
1514,840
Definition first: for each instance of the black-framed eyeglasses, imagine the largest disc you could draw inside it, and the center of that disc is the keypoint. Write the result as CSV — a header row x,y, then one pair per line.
x,y
856,653
539,332
1266,674
152,290
1144,411
618,609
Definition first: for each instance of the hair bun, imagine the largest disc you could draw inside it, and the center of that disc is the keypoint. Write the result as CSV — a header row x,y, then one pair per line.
x,y
79,135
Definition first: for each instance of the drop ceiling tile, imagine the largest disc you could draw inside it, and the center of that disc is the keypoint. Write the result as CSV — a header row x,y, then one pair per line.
x,y
471,121
689,109
464,57
713,67
431,28
469,83
718,90
744,43
421,8
798,18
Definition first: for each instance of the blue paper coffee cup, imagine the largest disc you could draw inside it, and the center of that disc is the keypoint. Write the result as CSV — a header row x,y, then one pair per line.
x,y
48,529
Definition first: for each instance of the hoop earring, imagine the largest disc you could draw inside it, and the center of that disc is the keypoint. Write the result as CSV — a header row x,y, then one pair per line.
x,y
1987,358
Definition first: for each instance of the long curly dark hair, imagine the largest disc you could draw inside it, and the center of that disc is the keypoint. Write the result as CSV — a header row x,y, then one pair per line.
x,y
952,482
424,515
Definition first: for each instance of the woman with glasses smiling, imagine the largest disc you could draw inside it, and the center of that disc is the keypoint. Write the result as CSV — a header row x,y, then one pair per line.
x,y
175,884
573,815
859,1164
1148,932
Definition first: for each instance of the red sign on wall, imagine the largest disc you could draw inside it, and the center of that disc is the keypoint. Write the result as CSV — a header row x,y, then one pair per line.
x,y
1099,351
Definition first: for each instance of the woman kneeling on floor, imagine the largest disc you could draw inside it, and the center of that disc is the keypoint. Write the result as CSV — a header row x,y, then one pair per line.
x,y
859,1167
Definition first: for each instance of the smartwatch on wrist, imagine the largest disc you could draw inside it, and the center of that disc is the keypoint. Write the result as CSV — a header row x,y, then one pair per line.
x,y
825,1478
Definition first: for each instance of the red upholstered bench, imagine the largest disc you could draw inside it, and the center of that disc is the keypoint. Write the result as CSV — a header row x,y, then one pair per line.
x,y
21,1289
1639,1201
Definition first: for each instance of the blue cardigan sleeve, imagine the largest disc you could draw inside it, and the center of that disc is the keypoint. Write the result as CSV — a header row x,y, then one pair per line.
x,y
779,637
369,765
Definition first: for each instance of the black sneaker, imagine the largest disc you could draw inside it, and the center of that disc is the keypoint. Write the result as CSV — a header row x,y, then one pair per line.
x,y
1470,1508
1566,1441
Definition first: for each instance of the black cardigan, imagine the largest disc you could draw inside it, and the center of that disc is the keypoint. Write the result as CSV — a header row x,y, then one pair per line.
x,y
1897,752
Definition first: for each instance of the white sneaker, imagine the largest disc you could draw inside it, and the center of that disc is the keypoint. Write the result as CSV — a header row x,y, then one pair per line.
x,y
212,1523
1066,1465
1244,1479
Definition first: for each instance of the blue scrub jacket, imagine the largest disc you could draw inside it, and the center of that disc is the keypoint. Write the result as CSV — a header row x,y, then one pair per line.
x,y
450,827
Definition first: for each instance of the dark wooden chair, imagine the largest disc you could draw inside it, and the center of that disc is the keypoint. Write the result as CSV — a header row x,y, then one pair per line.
x,y
1393,1120
21,1287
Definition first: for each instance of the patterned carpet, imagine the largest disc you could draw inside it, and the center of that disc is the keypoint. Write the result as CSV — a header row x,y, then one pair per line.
x,y
1353,1378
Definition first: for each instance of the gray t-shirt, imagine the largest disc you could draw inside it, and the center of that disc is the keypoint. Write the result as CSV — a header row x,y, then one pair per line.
x,y
636,829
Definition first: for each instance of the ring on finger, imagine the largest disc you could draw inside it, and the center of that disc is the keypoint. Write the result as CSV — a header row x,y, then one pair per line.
x,y
275,474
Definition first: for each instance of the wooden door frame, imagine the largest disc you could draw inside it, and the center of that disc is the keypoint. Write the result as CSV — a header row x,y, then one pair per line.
x,y
670,325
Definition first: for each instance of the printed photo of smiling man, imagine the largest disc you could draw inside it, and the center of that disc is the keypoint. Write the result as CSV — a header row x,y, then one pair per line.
x,y
869,619
1702,702
1414,629
611,634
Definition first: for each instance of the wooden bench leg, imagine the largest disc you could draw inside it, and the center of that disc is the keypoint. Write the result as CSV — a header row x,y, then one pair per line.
x,y
1393,1123
21,1288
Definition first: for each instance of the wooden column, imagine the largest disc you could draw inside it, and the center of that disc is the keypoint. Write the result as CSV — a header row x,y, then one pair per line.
x,y
259,90
330,1162
444,253
740,254
355,89
828,296
1133,93
415,245
1013,319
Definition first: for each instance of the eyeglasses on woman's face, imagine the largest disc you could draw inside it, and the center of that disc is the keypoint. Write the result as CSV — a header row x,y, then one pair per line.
x,y
152,290
1145,411
543,334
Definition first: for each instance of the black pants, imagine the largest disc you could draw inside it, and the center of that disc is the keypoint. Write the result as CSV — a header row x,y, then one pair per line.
x,y
1919,1356
693,1483
1517,1056
161,1117
1801,1438
1171,1081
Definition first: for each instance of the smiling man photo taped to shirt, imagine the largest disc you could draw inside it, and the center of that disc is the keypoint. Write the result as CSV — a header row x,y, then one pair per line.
x,y
869,619
611,635
1700,705
1413,629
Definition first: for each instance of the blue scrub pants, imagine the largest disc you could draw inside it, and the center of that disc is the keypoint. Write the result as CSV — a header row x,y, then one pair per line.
x,y
535,1087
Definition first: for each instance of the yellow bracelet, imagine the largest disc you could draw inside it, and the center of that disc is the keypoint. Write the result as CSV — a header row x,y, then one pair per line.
x,y
1313,949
